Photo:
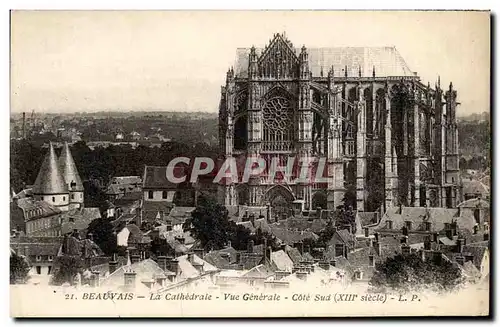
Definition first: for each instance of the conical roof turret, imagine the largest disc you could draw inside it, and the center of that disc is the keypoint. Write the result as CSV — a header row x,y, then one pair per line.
x,y
68,170
50,179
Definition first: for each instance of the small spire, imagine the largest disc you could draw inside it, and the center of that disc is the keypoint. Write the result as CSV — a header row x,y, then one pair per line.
x,y
359,70
69,170
345,71
439,81
451,86
50,179
321,72
373,71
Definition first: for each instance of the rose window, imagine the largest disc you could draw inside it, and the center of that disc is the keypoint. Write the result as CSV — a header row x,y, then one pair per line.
x,y
277,117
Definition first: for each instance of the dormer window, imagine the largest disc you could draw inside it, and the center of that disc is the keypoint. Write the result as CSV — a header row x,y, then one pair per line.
x,y
164,194
53,199
38,258
150,194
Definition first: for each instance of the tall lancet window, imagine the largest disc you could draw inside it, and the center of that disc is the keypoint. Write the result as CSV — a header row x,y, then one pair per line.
x,y
277,115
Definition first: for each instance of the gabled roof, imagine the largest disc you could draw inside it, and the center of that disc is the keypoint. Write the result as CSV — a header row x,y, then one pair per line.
x,y
50,179
282,260
260,271
385,60
156,177
68,169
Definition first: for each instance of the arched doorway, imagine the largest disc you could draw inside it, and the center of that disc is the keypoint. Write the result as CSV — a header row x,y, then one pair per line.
x,y
280,200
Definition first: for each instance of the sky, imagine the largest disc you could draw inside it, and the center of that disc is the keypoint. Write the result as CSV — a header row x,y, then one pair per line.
x,y
67,61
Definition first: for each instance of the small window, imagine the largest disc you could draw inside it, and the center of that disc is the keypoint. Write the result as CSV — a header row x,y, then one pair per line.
x,y
150,194
53,199
38,270
72,196
81,195
38,258
49,270
64,198
51,258
164,194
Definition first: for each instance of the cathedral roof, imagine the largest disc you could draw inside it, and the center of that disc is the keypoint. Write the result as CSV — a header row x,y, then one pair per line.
x,y
386,60
50,179
68,169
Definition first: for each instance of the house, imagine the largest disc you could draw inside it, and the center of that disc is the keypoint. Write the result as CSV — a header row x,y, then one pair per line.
x,y
131,237
35,218
40,253
160,193
120,186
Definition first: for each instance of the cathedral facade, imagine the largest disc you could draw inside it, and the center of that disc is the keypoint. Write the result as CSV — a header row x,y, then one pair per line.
x,y
387,138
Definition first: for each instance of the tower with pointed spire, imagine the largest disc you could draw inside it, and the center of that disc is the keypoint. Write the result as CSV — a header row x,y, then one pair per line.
x,y
50,185
71,178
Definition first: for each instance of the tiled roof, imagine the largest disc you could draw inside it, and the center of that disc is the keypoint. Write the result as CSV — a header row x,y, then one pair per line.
x,y
477,252
474,203
282,260
81,219
50,179
260,271
293,254
38,208
68,169
291,236
187,269
215,259
303,223
367,218
475,187
419,215
145,270
386,60
150,209
156,177
23,247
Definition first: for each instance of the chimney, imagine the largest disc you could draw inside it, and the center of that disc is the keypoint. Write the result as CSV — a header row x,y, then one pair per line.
x,y
135,258
449,234
376,246
435,237
250,246
238,257
190,257
162,262
174,266
129,279
367,232
160,279
460,245
113,264
301,247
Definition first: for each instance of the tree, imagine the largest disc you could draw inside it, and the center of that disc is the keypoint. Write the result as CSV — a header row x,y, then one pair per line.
x,y
102,235
19,269
67,267
209,223
345,216
405,273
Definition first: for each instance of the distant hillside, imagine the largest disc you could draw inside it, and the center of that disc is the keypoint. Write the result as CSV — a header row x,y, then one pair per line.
x,y
484,116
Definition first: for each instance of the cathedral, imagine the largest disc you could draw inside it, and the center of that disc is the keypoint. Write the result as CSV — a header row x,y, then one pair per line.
x,y
387,138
